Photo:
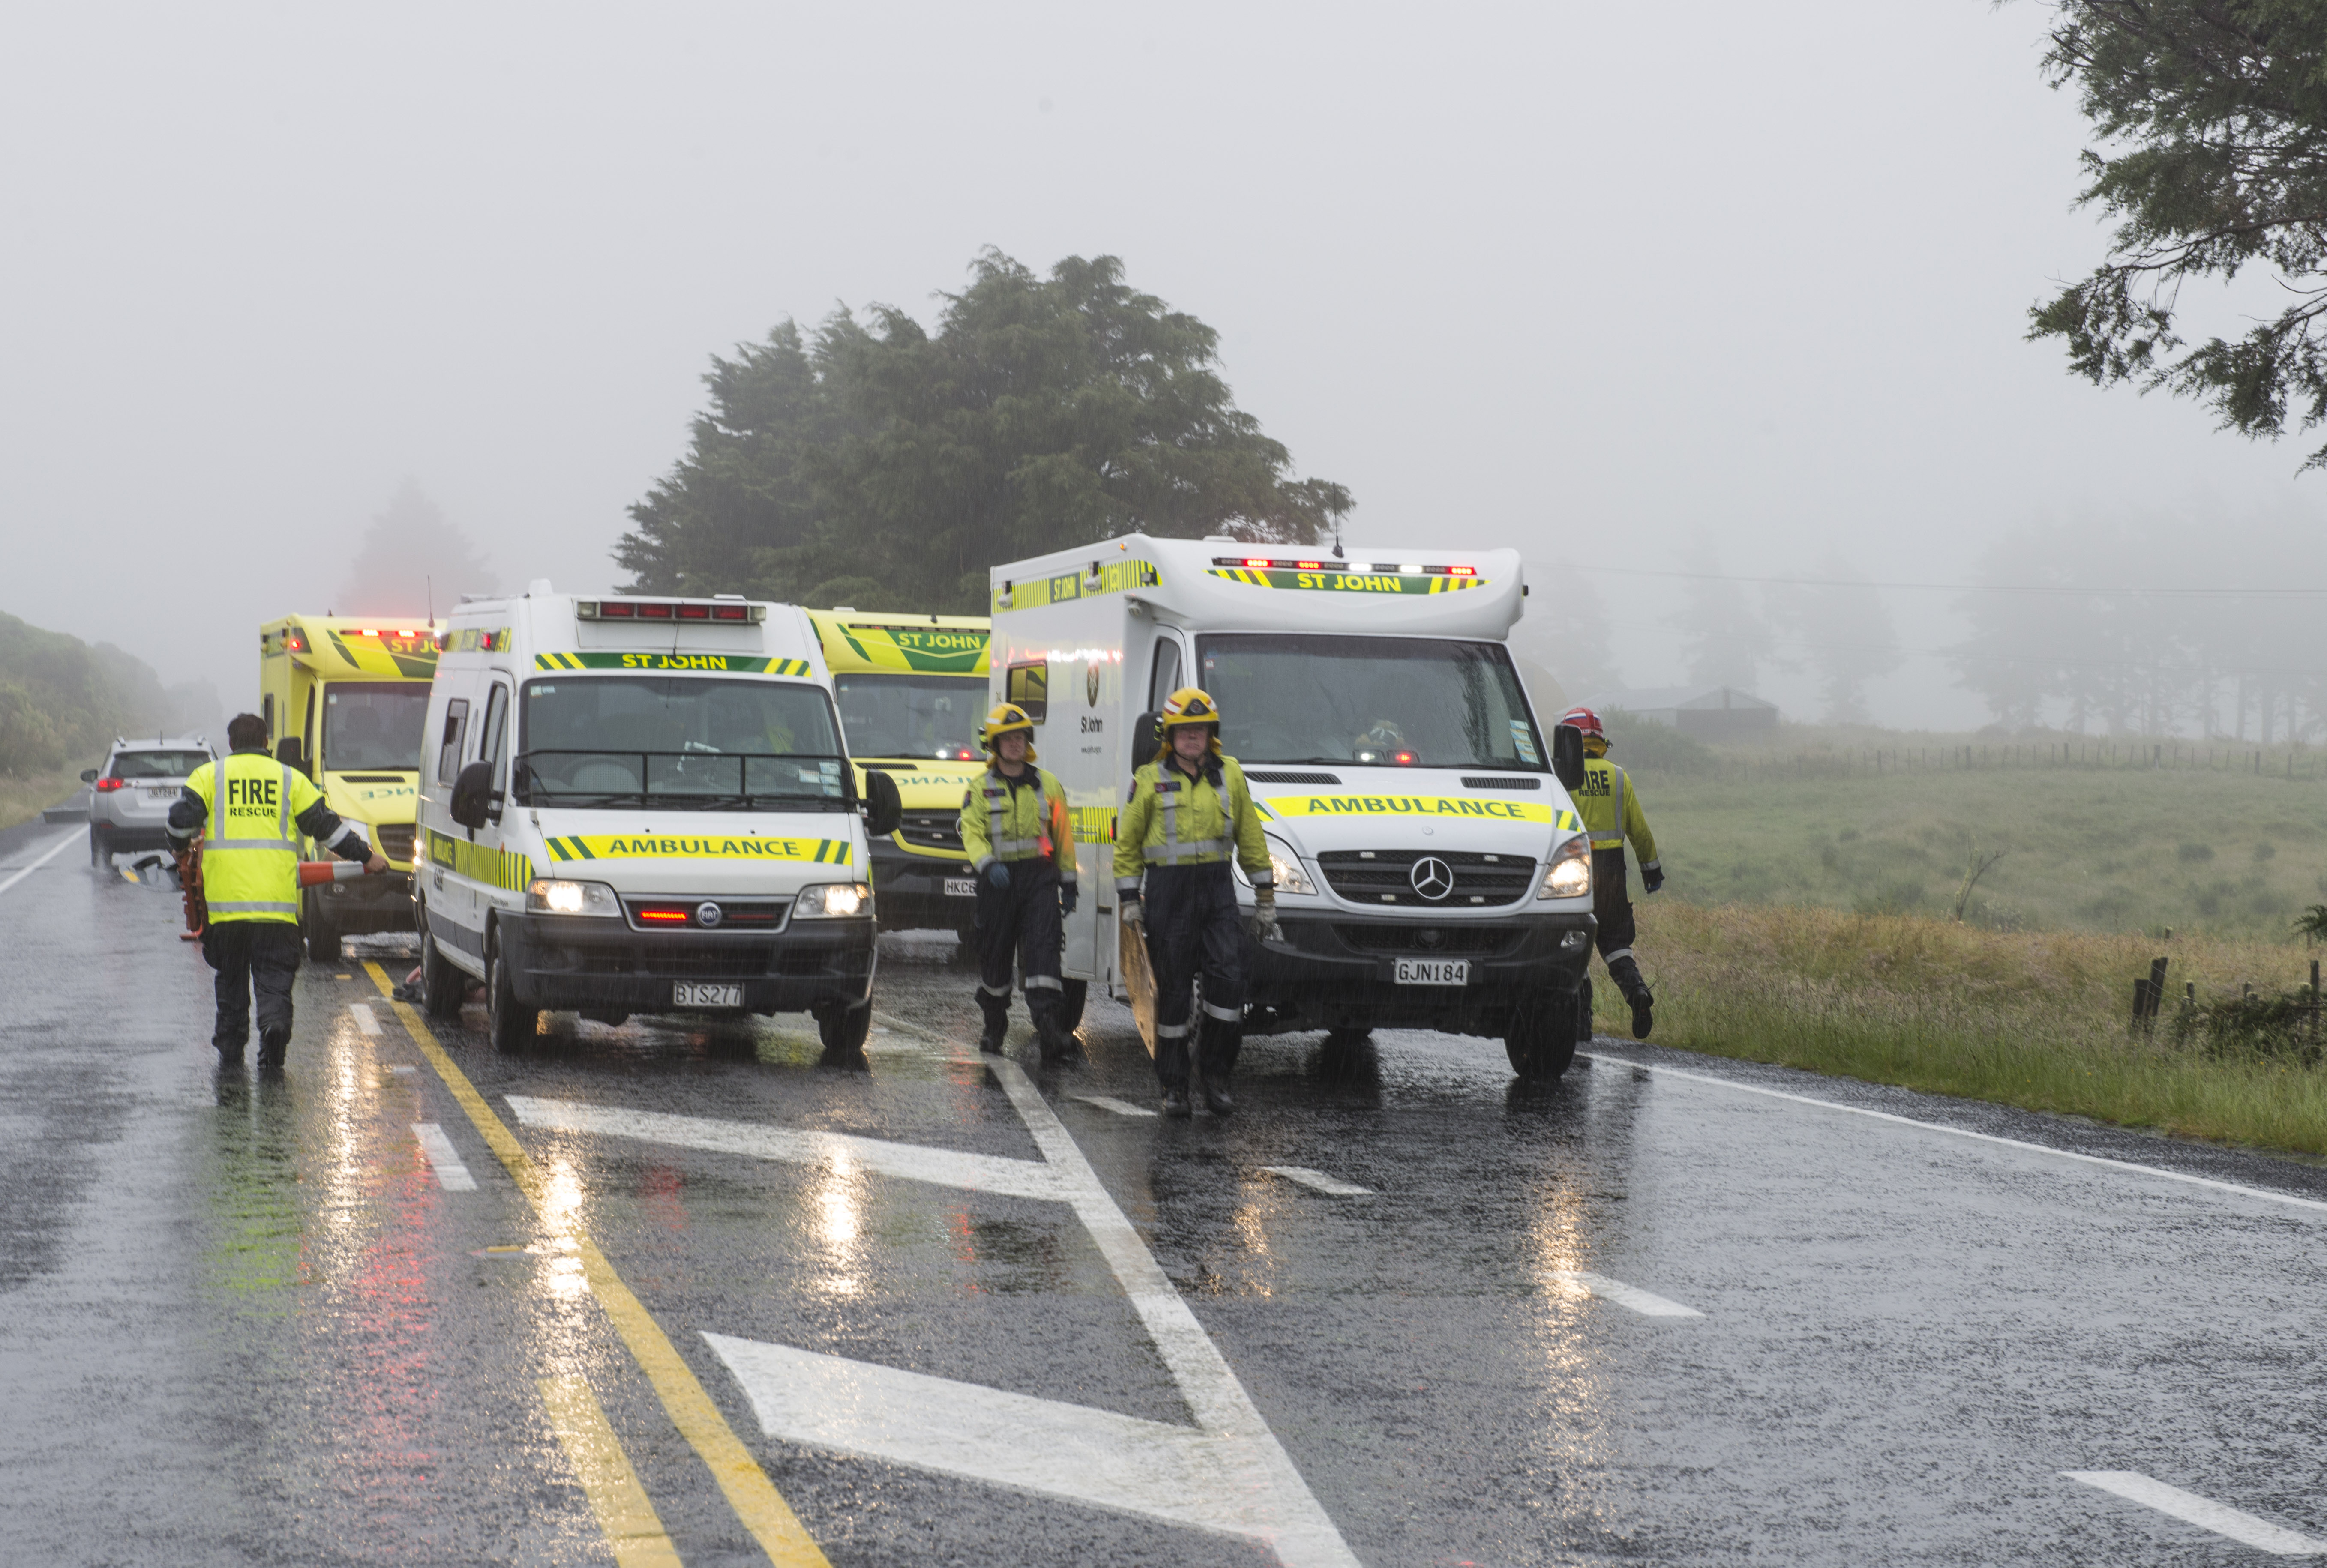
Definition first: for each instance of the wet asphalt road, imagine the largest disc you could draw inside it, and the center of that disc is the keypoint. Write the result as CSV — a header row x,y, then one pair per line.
x,y
246,1322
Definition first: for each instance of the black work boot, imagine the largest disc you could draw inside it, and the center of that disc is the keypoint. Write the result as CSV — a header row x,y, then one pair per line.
x,y
1171,1071
230,1051
997,1022
273,1044
1218,1048
1626,973
1058,1045
1175,1102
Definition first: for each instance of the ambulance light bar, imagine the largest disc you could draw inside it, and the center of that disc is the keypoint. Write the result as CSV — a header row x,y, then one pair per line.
x,y
1268,563
668,610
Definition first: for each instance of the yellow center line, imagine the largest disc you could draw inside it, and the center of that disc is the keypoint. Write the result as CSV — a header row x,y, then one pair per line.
x,y
750,1492
633,1529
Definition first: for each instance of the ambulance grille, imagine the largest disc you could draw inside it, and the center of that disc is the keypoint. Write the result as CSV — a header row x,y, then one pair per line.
x,y
394,840
1453,941
932,830
1386,877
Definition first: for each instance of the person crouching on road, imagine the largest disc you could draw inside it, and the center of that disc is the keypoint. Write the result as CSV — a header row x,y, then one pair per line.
x,y
1611,811
1022,845
251,810
1188,812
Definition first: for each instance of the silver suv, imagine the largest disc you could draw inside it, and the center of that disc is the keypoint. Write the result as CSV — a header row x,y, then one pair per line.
x,y
129,798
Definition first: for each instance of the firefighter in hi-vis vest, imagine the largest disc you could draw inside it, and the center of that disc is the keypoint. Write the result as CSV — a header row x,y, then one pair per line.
x,y
1611,811
1022,844
1187,813
251,811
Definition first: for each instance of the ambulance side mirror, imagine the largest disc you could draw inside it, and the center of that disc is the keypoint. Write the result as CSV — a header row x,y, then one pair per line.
x,y
883,807
1146,737
471,792
1567,757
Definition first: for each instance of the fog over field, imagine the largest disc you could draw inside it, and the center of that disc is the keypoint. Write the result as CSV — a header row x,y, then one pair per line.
x,y
1738,292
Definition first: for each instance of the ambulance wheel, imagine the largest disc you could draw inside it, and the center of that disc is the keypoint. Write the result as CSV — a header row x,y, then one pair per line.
x,y
443,988
1541,1042
1071,1004
100,846
844,1030
322,937
512,1026
1583,1012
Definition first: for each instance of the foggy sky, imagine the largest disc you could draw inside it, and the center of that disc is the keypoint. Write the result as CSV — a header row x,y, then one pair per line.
x,y
1614,286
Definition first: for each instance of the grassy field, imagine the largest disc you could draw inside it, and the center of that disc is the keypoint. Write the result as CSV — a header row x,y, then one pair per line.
x,y
2222,852
2020,1019
24,797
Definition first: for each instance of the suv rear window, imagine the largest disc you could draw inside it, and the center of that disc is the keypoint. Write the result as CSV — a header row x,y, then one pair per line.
x,y
158,764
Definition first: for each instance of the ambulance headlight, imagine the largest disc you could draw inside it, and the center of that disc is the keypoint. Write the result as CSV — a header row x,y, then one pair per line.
x,y
551,896
833,901
1286,866
1569,875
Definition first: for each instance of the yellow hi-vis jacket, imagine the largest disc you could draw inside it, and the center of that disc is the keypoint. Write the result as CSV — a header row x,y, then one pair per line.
x,y
1172,819
250,838
1611,811
1022,818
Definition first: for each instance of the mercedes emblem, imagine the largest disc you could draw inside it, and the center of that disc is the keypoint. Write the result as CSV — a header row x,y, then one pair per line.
x,y
711,914
1432,877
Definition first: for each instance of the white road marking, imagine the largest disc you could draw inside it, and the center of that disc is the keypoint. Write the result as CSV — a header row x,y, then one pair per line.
x,y
2316,1205
1318,1181
452,1175
2202,1512
362,1013
1648,1303
47,855
913,1161
401,1070
1095,1457
1109,1103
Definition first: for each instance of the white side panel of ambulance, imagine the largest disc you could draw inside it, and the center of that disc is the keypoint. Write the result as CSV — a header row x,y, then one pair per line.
x,y
1414,880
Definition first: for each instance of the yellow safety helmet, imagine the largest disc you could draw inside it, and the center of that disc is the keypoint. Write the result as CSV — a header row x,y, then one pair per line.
x,y
1187,705
1004,718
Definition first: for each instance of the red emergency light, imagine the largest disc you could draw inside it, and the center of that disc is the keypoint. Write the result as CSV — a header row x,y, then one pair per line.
x,y
1261,561
1461,571
667,917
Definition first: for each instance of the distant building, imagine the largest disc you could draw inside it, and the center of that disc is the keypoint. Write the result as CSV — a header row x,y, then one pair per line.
x,y
1701,713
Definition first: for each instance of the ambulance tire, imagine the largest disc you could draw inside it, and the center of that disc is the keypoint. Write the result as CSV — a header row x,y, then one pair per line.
x,y
443,988
1583,1012
1071,1004
1541,1040
844,1030
512,1026
322,937
100,847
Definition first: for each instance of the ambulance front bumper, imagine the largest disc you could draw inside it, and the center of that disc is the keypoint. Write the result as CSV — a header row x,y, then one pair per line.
x,y
562,963
1340,970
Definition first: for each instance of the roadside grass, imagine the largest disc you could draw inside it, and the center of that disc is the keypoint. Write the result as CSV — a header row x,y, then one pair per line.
x,y
24,795
2037,1021
2095,850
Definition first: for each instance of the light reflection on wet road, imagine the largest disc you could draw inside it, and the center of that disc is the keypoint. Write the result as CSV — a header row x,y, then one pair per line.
x,y
244,1321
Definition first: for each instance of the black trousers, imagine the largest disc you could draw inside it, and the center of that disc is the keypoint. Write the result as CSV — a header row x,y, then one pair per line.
x,y
1193,930
251,955
1020,921
1612,906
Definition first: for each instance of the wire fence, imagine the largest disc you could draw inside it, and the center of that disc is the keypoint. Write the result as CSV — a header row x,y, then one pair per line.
x,y
2291,764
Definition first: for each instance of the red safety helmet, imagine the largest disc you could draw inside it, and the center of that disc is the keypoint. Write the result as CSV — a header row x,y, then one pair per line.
x,y
1585,720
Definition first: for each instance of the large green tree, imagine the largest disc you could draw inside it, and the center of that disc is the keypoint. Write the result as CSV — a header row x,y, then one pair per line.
x,y
875,460
2212,116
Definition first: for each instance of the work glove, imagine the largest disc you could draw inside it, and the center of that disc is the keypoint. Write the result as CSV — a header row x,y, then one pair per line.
x,y
1128,912
1652,877
997,877
1066,898
1263,924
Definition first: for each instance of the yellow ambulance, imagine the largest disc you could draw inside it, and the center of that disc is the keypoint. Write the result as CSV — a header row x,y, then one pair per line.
x,y
911,690
344,698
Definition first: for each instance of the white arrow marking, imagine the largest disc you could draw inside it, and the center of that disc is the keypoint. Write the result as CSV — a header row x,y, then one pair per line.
x,y
452,1175
1095,1457
2203,1512
913,1161
1318,1181
1646,1303
1109,1103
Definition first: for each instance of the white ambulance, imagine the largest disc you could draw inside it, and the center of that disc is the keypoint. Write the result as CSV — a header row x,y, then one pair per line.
x,y
635,804
1431,870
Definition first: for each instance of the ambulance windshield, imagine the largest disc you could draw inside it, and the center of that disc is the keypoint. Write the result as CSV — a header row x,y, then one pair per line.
x,y
678,741
1388,702
372,724
912,715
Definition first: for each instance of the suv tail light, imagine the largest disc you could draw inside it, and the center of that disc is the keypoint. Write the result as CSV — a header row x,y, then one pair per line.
x,y
106,784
